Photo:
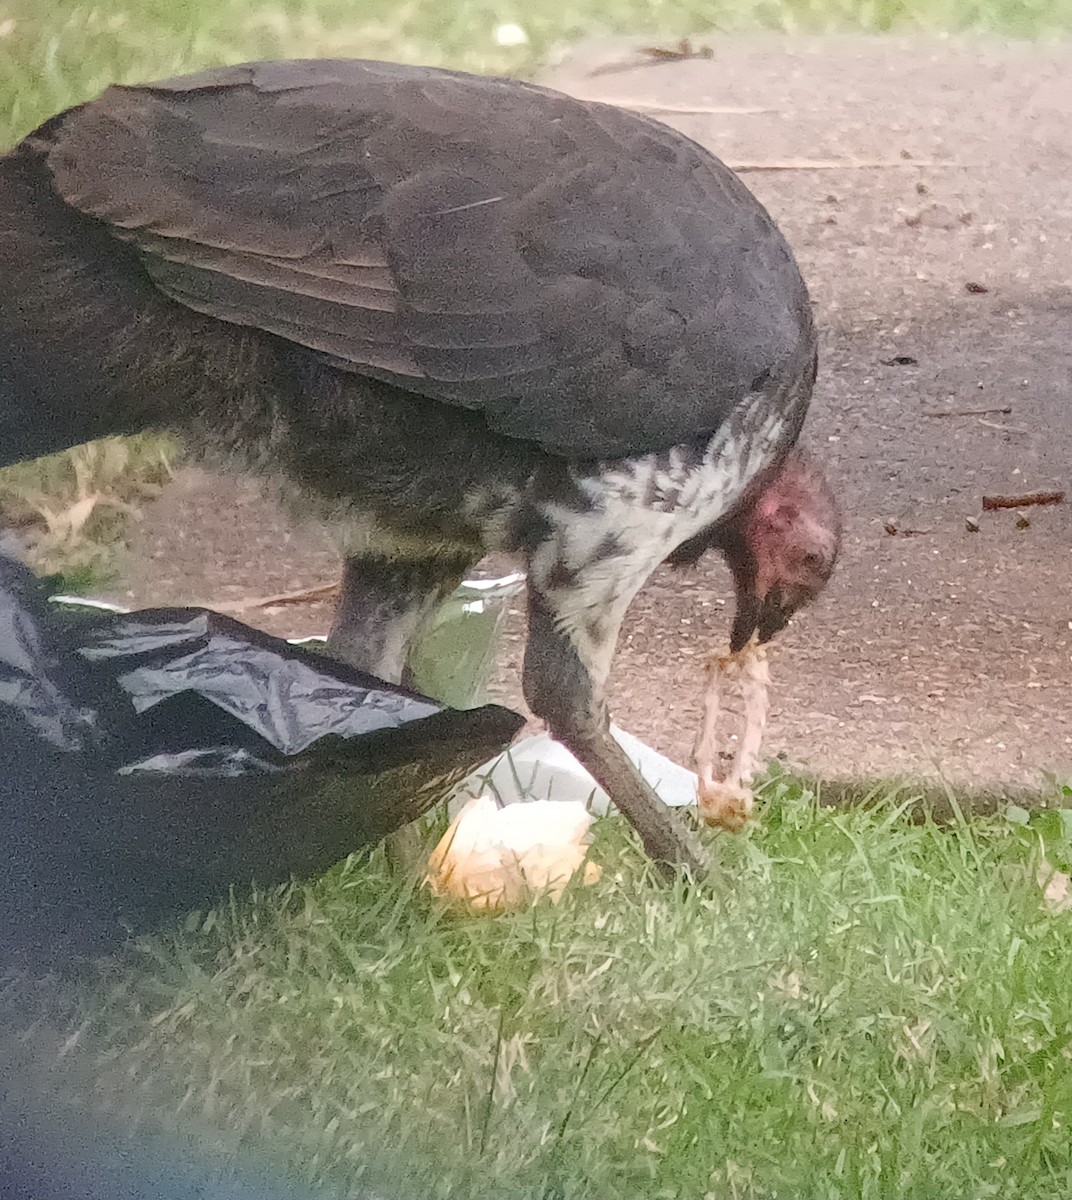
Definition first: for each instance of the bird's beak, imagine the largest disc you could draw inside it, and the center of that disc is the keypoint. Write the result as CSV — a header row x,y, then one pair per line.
x,y
763,615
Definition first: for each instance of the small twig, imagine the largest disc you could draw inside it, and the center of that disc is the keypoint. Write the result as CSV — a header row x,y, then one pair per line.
x,y
613,68
1002,428
653,107
990,503
655,56
707,110
836,164
683,51
305,596
971,412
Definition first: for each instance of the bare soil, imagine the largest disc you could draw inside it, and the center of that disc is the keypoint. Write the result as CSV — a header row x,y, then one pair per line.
x,y
939,652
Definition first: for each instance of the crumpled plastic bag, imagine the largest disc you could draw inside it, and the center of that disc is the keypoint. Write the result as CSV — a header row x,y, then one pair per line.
x,y
149,761
500,858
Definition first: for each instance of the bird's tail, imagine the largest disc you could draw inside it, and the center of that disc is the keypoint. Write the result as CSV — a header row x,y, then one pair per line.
x,y
89,347
56,284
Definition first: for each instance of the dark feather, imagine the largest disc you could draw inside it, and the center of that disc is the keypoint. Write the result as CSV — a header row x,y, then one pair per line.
x,y
585,278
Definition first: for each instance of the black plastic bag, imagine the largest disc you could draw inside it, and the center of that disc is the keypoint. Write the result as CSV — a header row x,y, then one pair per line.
x,y
151,761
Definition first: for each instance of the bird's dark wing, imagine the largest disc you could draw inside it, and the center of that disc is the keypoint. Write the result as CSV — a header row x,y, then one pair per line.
x,y
586,278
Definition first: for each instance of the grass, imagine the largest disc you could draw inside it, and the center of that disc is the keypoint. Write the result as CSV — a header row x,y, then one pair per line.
x,y
59,53
863,1005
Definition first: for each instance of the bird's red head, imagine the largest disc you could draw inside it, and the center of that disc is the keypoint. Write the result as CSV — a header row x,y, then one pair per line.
x,y
782,546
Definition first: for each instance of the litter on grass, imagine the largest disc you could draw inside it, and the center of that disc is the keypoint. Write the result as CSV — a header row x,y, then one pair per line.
x,y
154,760
521,823
494,859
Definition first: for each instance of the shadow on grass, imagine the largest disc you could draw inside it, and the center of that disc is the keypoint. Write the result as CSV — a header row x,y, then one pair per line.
x,y
940,801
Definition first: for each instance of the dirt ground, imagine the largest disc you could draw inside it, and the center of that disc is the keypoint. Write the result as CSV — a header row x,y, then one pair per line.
x,y
938,651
